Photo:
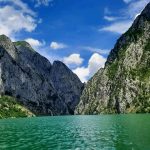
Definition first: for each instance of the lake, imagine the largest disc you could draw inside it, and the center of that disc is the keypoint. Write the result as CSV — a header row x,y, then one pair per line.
x,y
103,132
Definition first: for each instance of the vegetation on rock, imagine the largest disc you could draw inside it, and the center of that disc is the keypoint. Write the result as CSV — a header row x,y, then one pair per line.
x,y
10,108
124,84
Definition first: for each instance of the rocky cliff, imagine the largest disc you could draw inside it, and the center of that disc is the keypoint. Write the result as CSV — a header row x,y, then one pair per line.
x,y
123,85
67,84
43,88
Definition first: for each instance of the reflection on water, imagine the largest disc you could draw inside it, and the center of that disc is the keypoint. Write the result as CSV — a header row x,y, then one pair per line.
x,y
104,132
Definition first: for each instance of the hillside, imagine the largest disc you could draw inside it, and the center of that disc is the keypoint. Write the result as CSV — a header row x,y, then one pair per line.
x,y
123,86
10,108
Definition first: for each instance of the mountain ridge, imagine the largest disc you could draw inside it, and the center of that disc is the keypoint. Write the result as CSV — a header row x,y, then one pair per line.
x,y
27,76
123,85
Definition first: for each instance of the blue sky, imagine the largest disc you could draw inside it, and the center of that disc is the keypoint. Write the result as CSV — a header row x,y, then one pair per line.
x,y
78,32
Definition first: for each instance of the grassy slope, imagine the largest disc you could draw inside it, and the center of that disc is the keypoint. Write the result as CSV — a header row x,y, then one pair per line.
x,y
10,108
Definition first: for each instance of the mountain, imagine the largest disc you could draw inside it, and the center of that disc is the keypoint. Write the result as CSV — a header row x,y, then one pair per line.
x,y
123,85
42,87
67,85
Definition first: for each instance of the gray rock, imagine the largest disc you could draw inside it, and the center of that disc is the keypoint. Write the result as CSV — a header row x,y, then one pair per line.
x,y
28,76
123,86
67,84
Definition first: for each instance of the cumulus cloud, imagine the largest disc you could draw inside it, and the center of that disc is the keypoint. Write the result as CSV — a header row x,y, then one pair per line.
x,y
73,60
34,42
96,62
16,16
56,45
82,73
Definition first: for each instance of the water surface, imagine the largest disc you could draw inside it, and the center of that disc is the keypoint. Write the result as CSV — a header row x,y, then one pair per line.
x,y
104,132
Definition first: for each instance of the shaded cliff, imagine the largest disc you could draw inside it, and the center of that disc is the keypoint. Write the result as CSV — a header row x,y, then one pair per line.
x,y
67,84
28,76
123,86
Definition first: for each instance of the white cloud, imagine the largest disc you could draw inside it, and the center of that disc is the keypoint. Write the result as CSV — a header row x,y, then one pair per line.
x,y
127,1
95,63
19,4
125,20
56,45
73,59
34,42
22,6
110,18
118,27
96,50
16,16
82,73
42,2
136,7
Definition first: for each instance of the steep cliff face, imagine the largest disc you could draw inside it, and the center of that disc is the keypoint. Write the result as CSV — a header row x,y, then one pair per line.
x,y
27,75
123,85
67,84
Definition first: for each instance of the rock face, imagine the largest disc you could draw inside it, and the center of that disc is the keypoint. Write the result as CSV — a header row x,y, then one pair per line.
x,y
67,85
123,85
35,83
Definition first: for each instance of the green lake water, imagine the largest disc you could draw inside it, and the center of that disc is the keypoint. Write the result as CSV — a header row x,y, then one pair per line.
x,y
103,132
